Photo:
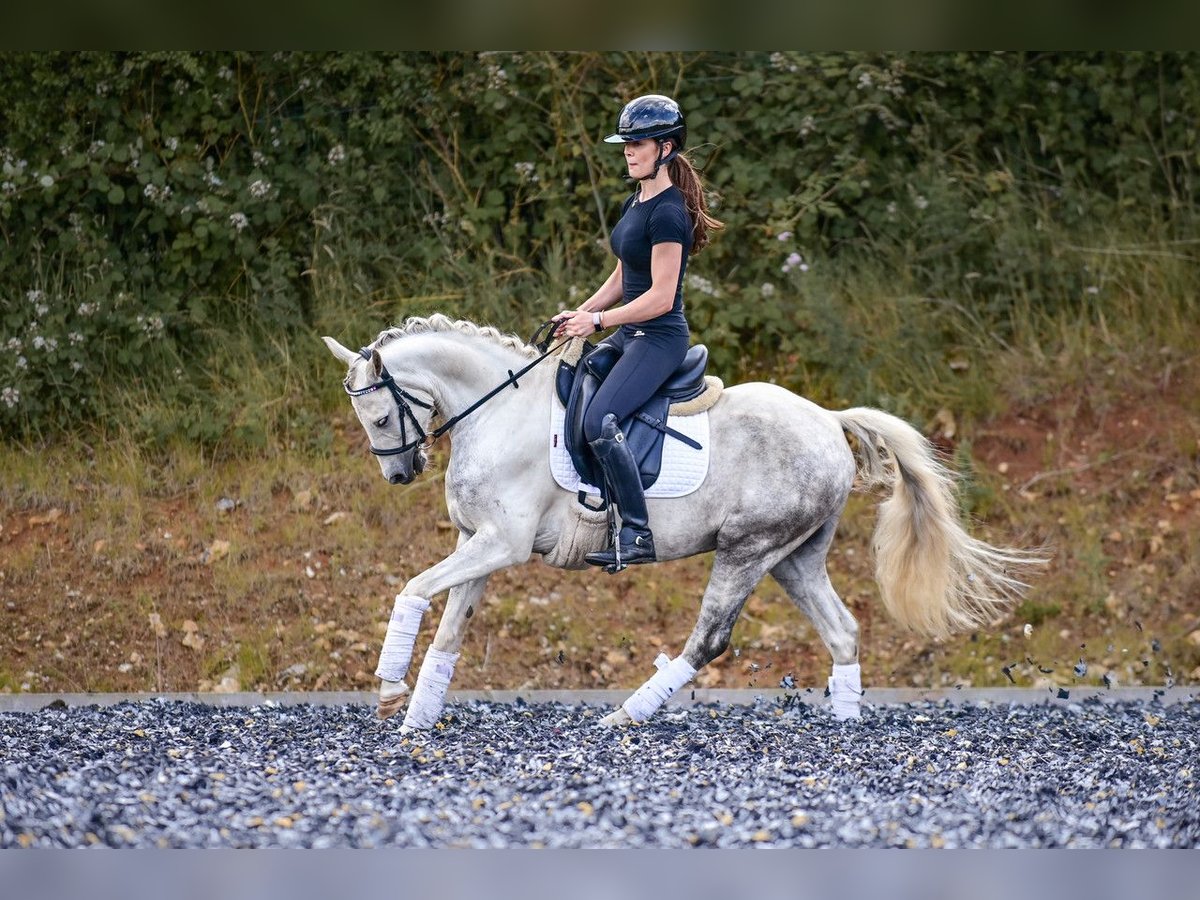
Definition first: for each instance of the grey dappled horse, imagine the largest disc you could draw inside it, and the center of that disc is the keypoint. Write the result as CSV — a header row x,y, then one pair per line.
x,y
780,473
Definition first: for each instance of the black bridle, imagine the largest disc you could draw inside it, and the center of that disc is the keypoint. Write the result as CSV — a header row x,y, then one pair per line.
x,y
403,398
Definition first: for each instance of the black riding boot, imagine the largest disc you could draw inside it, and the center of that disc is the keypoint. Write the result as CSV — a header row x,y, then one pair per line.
x,y
635,543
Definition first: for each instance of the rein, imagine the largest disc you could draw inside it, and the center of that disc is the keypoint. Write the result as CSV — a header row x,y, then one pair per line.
x,y
403,398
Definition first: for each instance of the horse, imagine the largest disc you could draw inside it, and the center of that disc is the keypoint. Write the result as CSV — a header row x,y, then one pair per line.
x,y
780,473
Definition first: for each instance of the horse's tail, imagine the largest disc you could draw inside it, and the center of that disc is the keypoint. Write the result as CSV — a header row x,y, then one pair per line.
x,y
933,576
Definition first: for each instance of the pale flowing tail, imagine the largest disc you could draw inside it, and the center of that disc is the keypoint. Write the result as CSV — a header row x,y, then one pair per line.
x,y
933,576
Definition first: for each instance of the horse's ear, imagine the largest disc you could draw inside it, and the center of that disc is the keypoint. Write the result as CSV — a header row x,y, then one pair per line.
x,y
345,355
376,362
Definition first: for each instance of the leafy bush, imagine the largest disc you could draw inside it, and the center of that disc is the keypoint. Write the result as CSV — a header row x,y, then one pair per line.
x,y
154,205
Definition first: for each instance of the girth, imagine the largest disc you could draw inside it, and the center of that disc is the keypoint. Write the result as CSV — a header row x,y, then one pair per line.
x,y
646,429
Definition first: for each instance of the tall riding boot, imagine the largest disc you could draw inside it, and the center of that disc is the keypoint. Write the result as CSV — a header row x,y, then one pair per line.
x,y
635,544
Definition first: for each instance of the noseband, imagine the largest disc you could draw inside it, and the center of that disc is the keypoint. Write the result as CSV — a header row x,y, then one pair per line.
x,y
402,398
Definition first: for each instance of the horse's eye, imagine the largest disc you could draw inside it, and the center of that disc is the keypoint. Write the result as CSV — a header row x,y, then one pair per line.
x,y
381,423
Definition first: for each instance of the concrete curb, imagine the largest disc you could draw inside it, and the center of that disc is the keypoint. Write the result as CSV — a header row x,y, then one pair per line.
x,y
736,697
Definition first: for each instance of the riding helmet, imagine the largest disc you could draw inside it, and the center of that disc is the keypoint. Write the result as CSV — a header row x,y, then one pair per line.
x,y
650,116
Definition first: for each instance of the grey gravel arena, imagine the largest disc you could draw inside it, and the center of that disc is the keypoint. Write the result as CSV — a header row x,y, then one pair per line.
x,y
780,772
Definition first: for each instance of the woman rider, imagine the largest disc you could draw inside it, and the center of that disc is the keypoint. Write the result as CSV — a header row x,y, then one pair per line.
x,y
664,221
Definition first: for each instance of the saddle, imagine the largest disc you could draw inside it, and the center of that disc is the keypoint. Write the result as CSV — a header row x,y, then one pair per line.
x,y
646,429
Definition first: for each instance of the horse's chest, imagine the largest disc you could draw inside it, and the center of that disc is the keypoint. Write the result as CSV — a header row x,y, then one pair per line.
x,y
469,494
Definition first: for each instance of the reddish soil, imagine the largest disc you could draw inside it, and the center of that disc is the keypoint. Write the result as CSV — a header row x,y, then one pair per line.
x,y
299,597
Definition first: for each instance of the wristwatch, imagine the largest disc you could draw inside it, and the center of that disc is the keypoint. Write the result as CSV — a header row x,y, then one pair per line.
x,y
597,320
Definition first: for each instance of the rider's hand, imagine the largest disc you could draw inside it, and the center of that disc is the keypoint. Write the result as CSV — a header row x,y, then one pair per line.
x,y
575,323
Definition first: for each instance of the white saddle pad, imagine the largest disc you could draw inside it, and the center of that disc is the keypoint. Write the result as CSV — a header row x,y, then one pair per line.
x,y
683,468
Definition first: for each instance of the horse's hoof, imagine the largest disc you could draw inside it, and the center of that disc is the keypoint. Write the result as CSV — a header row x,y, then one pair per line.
x,y
389,707
617,719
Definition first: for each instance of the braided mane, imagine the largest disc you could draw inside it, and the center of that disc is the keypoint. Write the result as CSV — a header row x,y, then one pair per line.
x,y
442,323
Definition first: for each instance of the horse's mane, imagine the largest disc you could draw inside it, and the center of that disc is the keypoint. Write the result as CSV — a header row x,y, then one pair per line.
x,y
442,323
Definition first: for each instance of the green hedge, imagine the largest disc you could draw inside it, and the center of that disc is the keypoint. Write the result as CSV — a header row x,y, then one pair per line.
x,y
154,204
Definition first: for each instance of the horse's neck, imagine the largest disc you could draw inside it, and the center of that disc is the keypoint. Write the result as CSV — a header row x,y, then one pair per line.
x,y
457,371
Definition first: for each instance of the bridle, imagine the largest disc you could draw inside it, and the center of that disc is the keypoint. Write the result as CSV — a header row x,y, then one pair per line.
x,y
403,398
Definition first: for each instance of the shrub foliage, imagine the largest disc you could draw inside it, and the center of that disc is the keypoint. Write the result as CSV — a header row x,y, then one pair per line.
x,y
154,204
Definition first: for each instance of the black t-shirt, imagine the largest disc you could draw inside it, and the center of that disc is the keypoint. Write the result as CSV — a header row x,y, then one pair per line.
x,y
661,219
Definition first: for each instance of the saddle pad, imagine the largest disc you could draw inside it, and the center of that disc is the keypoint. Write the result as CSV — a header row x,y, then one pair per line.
x,y
683,468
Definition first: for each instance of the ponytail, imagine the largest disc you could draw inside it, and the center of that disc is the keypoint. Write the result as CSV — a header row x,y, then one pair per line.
x,y
687,179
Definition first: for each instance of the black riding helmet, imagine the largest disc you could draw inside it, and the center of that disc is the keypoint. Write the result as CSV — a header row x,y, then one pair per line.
x,y
651,116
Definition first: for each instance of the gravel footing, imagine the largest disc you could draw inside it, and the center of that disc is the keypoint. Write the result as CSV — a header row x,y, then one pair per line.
x,y
177,774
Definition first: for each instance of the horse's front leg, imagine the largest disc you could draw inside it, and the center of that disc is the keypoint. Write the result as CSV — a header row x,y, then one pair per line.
x,y
460,606
464,573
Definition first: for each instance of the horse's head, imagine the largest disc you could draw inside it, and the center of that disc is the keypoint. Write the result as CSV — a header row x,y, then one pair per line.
x,y
396,420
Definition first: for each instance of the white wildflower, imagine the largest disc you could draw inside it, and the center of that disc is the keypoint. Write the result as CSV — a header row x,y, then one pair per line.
x,y
337,155
76,366
95,147
14,344
260,188
497,77
780,62
156,194
75,337
8,187
865,80
238,221
260,159
34,295
525,170
22,362
102,88
807,126
702,284
46,181
39,342
794,261
152,326
11,396
767,289
784,236
920,202
892,209
1092,289
172,144
86,309
41,309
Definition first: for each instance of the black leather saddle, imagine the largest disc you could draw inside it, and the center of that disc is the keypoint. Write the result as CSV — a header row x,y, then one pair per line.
x,y
646,429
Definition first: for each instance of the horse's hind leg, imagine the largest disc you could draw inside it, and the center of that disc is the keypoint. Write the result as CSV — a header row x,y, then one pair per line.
x,y
804,576
735,572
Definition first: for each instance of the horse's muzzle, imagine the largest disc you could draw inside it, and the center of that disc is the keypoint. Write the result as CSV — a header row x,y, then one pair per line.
x,y
400,478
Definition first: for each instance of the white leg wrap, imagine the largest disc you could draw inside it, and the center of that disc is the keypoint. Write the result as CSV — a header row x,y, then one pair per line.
x,y
672,674
397,651
429,696
845,691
